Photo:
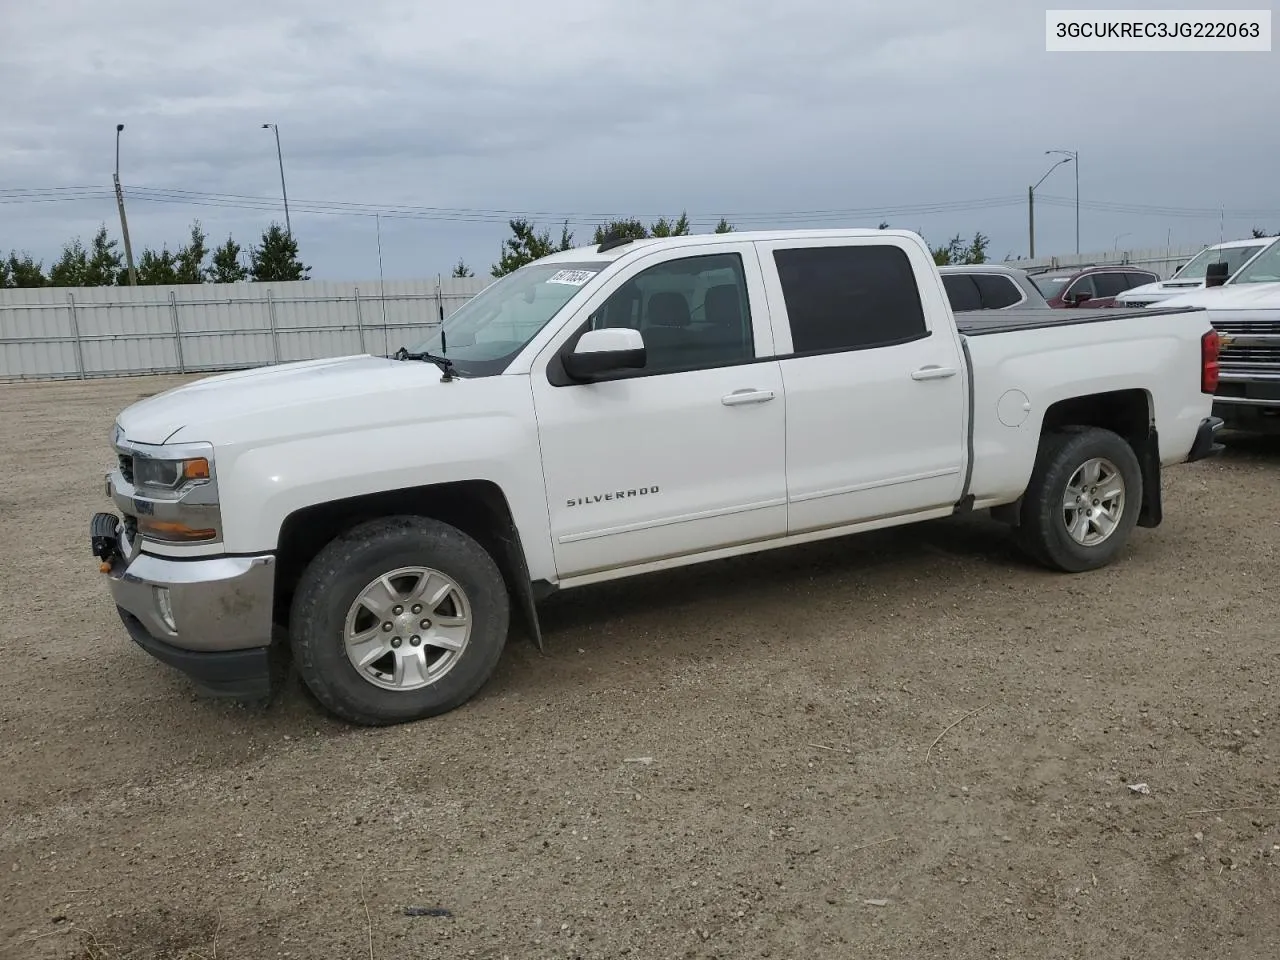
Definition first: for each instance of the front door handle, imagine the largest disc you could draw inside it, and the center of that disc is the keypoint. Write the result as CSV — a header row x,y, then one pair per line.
x,y
739,397
933,372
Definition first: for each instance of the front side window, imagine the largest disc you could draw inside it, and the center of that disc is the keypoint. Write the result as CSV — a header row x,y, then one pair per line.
x,y
1083,285
693,313
850,297
1110,284
484,335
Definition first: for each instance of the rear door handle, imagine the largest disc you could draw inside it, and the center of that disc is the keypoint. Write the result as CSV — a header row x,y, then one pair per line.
x,y
933,372
739,397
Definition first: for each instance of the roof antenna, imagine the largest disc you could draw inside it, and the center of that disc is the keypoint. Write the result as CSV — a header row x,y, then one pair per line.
x,y
444,348
612,240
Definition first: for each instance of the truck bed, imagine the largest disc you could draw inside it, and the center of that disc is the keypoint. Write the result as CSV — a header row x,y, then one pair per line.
x,y
982,322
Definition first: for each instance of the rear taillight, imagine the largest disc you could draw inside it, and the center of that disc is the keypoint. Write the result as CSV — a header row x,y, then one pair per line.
x,y
1210,347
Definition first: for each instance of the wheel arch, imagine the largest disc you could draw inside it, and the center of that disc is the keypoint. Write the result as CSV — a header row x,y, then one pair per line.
x,y
1129,413
478,508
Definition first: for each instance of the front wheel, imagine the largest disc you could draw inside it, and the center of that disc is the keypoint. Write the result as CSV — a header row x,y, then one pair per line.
x,y
1083,499
397,620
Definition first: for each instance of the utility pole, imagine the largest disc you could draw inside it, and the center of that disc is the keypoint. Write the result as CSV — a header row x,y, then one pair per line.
x,y
124,224
283,191
1074,156
1031,222
1031,209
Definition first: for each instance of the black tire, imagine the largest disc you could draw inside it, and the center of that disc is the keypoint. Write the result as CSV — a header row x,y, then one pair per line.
x,y
1042,531
335,578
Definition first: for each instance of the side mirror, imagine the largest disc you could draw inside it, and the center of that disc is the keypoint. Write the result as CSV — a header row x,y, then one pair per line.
x,y
1216,274
605,351
1079,297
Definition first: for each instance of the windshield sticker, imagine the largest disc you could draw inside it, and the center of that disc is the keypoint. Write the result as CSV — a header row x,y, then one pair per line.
x,y
573,278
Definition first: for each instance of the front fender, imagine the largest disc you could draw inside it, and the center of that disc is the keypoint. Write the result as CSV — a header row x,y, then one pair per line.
x,y
264,484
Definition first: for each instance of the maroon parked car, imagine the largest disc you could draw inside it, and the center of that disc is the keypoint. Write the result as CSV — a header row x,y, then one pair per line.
x,y
1090,286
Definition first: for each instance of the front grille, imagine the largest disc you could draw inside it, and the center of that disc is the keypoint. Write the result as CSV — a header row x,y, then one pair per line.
x,y
1260,347
1246,328
126,467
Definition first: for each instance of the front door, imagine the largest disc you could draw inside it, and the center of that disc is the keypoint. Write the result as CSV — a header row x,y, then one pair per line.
x,y
684,456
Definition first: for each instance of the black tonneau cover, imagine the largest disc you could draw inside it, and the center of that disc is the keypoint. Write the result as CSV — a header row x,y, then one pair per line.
x,y
981,322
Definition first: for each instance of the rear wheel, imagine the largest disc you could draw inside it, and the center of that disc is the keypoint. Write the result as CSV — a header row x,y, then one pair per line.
x,y
1083,499
397,620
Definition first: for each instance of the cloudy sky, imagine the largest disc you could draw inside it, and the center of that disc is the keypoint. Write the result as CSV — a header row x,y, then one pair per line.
x,y
452,117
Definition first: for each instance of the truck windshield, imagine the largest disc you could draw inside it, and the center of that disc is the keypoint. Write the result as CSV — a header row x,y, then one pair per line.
x,y
1233,257
1266,269
484,335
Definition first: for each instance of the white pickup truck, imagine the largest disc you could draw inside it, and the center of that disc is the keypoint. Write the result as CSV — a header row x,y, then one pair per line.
x,y
609,411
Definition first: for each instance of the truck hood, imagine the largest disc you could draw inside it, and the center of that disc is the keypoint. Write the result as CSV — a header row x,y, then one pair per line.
x,y
194,409
1164,288
1246,296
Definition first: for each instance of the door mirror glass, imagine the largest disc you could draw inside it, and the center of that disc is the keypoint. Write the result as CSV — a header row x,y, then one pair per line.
x,y
1079,296
605,351
1215,275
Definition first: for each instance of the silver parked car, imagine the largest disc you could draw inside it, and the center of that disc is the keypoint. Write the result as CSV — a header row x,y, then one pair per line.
x,y
990,286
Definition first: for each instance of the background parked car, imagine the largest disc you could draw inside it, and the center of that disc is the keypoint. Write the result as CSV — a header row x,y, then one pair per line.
x,y
989,286
1235,254
1090,286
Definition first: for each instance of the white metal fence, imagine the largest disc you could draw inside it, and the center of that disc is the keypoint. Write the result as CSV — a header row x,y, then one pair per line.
x,y
1161,260
55,333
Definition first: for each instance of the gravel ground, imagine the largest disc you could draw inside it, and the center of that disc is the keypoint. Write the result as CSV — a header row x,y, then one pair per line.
x,y
793,800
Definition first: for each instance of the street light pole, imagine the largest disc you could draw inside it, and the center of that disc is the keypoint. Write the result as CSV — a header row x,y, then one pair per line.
x,y
283,191
1074,155
124,224
1031,210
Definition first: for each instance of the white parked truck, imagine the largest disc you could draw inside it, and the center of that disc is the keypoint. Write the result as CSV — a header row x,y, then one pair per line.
x,y
609,411
1209,268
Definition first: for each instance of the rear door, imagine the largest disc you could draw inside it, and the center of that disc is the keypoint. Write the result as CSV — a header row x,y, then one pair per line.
x,y
875,381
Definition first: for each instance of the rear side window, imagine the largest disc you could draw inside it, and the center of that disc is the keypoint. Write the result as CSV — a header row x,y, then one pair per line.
x,y
850,298
1140,279
997,292
962,292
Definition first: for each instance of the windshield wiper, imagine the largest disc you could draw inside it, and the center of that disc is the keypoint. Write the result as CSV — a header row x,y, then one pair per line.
x,y
444,363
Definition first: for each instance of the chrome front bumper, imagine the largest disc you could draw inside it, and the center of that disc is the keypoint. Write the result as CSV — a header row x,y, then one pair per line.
x,y
219,603
209,617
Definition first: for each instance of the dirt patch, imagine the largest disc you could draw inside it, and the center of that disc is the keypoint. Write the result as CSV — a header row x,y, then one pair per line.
x,y
785,704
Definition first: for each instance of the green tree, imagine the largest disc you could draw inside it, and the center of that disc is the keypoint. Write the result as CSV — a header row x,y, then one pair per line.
x,y
1259,234
724,226
225,266
957,251
276,258
460,269
24,272
667,228
70,268
105,267
191,256
631,229
155,269
527,245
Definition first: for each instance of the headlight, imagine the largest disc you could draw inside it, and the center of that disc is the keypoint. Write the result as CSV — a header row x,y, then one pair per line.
x,y
169,491
169,474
